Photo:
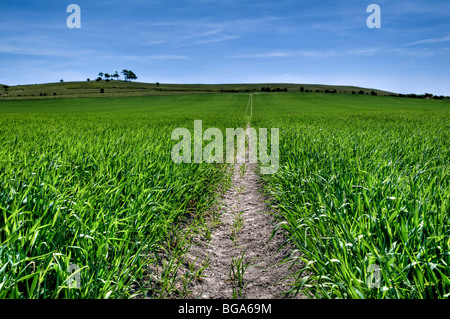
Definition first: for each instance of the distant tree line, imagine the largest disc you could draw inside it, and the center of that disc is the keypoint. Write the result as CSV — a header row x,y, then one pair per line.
x,y
424,96
268,89
127,74
374,93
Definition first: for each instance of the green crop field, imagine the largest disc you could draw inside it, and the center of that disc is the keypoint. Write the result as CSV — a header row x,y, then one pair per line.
x,y
363,180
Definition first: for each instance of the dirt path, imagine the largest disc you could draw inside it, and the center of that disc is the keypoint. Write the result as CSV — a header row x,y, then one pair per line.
x,y
250,104
244,262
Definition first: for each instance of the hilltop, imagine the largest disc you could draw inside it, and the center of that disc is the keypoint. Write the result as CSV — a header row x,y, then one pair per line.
x,y
119,88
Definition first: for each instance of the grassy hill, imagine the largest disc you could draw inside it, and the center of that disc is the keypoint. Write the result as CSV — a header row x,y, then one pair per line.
x,y
122,89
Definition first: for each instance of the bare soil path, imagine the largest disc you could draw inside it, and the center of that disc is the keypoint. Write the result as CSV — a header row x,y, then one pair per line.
x,y
244,261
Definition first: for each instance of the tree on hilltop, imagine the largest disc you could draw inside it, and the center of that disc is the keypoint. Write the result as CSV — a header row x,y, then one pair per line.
x,y
129,75
132,76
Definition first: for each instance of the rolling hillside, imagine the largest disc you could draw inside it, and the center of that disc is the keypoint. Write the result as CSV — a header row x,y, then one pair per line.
x,y
122,88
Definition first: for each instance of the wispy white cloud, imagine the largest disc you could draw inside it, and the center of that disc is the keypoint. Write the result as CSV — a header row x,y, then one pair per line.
x,y
39,51
165,57
202,34
371,51
205,23
154,42
277,54
305,53
185,32
144,58
418,53
210,40
429,41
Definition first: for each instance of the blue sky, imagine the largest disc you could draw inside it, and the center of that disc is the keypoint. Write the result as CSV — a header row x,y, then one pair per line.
x,y
228,41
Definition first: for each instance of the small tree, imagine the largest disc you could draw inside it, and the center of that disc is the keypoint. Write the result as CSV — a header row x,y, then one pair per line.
x,y
302,89
107,76
102,90
132,76
61,80
116,75
100,75
125,73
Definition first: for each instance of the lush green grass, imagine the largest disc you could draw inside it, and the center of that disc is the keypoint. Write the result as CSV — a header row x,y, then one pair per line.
x,y
363,181
287,103
98,190
295,103
172,104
